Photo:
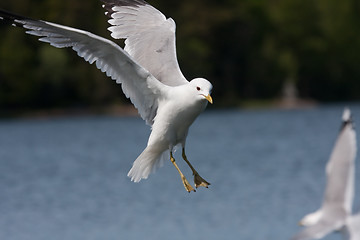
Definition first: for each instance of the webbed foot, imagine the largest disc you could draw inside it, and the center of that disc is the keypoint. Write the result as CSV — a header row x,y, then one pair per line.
x,y
199,181
187,185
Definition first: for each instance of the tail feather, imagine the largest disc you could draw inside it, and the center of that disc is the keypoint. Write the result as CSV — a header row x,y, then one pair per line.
x,y
147,162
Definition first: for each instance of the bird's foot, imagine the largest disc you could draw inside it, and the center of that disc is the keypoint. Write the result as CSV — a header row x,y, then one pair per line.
x,y
199,181
187,185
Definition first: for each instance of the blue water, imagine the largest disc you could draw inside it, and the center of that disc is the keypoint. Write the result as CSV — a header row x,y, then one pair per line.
x,y
65,178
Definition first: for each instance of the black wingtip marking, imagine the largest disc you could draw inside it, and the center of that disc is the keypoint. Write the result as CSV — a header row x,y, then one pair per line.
x,y
133,3
109,4
11,18
347,122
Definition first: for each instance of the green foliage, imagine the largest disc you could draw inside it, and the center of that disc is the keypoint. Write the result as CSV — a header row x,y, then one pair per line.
x,y
246,48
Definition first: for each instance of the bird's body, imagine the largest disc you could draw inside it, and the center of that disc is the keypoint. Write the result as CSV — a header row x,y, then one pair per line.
x,y
147,70
173,124
169,129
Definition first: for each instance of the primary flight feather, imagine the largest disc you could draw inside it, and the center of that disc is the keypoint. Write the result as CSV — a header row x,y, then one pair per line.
x,y
147,70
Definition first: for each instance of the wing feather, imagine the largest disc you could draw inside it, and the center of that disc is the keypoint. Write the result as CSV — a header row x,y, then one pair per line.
x,y
150,37
137,83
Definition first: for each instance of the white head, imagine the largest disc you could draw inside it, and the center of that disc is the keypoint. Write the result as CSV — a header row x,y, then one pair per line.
x,y
310,219
202,88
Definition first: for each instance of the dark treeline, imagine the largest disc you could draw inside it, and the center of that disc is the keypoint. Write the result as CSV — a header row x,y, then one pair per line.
x,y
248,49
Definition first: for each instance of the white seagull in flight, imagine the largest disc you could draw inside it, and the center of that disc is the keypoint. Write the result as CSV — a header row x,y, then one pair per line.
x,y
334,213
148,71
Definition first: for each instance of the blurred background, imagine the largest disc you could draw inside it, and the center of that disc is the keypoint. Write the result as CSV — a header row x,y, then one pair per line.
x,y
252,51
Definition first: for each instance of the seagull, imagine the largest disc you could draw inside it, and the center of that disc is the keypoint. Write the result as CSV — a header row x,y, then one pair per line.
x,y
148,71
339,192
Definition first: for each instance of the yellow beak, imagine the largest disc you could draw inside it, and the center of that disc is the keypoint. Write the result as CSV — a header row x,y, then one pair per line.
x,y
209,98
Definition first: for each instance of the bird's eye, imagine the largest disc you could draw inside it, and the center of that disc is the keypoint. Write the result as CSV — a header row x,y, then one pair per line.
x,y
198,88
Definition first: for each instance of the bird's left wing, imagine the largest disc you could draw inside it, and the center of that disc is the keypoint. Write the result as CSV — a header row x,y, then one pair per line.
x,y
137,83
150,37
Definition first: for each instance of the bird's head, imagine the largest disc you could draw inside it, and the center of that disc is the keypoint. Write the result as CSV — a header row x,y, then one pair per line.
x,y
202,89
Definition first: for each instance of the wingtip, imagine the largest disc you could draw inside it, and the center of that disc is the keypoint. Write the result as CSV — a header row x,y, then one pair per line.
x,y
124,2
346,117
12,19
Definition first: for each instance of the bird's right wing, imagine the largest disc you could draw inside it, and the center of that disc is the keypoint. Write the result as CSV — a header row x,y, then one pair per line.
x,y
137,83
150,37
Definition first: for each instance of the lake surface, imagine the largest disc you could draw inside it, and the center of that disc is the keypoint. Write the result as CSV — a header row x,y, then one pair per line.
x,y
65,178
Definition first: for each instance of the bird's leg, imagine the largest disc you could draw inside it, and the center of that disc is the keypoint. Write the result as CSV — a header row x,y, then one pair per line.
x,y
199,181
187,185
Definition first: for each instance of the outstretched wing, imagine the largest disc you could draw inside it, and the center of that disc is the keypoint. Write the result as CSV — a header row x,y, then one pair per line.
x,y
137,83
150,37
340,167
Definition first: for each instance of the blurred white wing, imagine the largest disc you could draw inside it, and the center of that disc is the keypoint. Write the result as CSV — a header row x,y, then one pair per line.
x,y
150,37
138,84
340,167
